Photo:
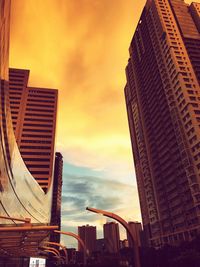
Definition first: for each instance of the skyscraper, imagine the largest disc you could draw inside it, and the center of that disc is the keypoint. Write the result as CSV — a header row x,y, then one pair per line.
x,y
111,237
163,104
34,120
57,196
88,234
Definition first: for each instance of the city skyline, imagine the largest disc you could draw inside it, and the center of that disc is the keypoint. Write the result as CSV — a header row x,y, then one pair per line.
x,y
74,52
122,131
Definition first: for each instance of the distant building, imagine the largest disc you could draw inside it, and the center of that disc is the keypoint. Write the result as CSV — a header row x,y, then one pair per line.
x,y
100,245
111,236
57,195
72,255
34,120
124,243
88,234
136,229
163,104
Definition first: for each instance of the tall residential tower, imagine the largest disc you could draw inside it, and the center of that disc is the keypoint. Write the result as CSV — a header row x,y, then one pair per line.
x,y
163,104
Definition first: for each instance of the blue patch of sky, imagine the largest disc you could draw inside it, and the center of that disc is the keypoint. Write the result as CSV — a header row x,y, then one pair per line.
x,y
81,171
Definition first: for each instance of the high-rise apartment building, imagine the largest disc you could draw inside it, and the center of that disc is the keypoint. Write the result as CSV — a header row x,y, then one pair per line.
x,y
88,234
163,104
111,237
33,113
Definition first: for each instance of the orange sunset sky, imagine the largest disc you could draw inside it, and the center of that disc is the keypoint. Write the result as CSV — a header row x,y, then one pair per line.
x,y
81,48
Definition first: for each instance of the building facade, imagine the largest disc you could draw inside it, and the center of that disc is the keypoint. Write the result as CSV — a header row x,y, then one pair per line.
x,y
163,105
88,234
34,120
111,237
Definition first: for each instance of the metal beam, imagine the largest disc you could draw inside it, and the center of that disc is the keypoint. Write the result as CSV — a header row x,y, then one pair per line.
x,y
52,249
77,238
59,245
27,228
126,226
26,220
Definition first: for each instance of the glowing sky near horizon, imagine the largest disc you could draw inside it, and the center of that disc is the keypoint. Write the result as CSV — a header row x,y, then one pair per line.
x,y
81,48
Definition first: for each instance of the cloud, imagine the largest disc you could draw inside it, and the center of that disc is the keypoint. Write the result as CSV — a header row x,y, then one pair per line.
x,y
81,48
82,191
78,192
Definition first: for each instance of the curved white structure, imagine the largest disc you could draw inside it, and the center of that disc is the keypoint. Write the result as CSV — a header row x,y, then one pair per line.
x,y
20,195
